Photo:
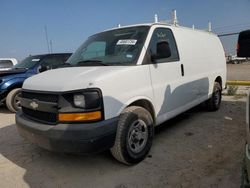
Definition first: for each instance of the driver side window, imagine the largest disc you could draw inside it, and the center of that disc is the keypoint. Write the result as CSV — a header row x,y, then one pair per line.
x,y
162,46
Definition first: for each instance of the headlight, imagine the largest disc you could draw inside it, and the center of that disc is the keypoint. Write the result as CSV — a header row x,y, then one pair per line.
x,y
81,106
79,100
87,100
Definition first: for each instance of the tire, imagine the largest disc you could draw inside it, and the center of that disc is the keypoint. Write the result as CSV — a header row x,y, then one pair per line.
x,y
13,100
134,136
214,102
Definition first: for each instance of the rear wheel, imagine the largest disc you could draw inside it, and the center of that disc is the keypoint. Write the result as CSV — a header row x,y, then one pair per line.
x,y
13,100
134,135
214,102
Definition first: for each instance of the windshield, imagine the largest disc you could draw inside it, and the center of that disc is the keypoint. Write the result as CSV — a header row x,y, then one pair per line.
x,y
28,62
115,47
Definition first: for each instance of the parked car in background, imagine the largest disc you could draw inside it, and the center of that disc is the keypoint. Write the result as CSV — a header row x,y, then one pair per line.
x,y
243,47
121,84
11,81
234,59
7,63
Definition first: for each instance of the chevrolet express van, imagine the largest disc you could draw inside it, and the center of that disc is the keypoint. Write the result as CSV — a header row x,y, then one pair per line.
x,y
119,85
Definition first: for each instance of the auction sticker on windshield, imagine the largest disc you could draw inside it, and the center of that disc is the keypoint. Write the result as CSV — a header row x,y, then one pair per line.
x,y
126,42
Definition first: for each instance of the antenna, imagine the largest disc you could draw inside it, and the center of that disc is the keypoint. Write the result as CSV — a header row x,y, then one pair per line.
x,y
50,46
46,36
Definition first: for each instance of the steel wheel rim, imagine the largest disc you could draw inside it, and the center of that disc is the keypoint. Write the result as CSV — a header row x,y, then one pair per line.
x,y
137,136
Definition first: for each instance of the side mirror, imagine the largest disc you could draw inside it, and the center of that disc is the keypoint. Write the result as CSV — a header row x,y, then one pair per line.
x,y
162,51
243,47
43,68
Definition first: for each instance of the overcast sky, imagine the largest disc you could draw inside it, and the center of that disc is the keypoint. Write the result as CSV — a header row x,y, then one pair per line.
x,y
70,22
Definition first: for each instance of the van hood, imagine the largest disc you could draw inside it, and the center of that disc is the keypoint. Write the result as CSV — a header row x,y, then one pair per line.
x,y
71,78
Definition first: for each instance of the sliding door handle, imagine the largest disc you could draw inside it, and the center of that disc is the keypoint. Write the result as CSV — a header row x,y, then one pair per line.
x,y
182,70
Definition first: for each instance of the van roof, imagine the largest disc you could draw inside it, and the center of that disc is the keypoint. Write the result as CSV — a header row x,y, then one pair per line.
x,y
160,24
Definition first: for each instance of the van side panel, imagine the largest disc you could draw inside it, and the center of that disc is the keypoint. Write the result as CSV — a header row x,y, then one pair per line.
x,y
202,55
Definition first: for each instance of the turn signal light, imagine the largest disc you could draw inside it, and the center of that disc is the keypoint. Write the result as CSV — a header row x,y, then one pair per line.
x,y
75,117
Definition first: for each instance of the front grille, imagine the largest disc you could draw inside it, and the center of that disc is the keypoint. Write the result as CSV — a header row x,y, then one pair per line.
x,y
45,117
40,96
38,115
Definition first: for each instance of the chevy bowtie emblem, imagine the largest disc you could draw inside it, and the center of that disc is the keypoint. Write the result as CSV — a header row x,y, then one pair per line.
x,y
34,105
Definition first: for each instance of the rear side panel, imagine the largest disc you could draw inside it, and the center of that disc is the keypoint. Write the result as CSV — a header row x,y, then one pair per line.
x,y
202,55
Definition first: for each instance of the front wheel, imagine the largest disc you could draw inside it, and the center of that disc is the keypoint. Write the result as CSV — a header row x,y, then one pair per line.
x,y
13,100
134,135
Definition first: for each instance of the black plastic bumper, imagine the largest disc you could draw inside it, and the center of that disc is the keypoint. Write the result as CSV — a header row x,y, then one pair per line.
x,y
69,138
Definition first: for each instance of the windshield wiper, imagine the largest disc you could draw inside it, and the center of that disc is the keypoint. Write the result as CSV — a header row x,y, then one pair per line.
x,y
91,62
121,63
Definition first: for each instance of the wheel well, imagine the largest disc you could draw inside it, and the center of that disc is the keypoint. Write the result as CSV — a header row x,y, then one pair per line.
x,y
145,104
219,80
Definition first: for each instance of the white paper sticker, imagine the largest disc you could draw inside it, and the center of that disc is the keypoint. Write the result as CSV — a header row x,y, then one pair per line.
x,y
126,42
35,60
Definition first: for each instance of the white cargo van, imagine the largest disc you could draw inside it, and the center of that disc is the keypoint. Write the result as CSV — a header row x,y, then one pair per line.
x,y
118,86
